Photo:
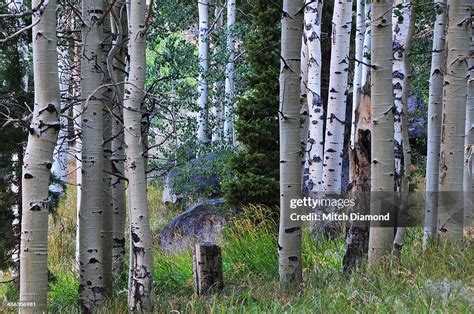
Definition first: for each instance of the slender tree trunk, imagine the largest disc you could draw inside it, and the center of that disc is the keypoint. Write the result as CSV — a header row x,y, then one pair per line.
x,y
315,143
91,283
203,6
38,161
338,90
218,86
289,241
469,141
434,122
229,70
304,109
382,169
357,241
107,216
140,295
403,17
118,64
450,218
359,47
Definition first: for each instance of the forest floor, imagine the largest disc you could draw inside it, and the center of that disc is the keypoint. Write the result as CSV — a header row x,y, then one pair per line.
x,y
440,280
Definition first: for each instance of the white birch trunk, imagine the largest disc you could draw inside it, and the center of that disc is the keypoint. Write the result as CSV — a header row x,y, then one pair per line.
x,y
289,240
315,143
382,169
140,294
229,70
91,284
337,99
203,6
451,170
434,122
38,161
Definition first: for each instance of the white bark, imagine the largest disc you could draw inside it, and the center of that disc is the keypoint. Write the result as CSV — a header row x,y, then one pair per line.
x,y
338,90
315,143
451,163
289,240
219,86
403,23
37,162
203,6
140,295
304,109
382,169
434,122
359,47
91,284
469,141
107,208
119,27
229,71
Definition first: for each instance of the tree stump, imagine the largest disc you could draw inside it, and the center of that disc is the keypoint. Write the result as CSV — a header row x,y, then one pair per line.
x,y
207,268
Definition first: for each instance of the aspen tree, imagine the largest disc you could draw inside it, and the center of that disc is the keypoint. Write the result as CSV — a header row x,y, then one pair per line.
x,y
434,122
37,162
315,142
230,73
289,240
403,22
140,294
117,62
91,283
338,90
453,121
382,164
203,6
360,155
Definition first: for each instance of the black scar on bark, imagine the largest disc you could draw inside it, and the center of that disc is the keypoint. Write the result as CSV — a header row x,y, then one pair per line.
x,y
135,237
291,230
293,258
28,176
92,250
93,261
49,165
89,283
279,247
35,208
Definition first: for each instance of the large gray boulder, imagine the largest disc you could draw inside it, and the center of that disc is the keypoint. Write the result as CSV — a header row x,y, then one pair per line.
x,y
200,223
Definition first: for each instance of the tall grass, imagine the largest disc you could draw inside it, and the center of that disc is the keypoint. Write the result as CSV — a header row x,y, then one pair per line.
x,y
439,280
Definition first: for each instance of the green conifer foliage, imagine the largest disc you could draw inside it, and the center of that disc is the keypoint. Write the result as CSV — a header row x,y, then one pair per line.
x,y
255,169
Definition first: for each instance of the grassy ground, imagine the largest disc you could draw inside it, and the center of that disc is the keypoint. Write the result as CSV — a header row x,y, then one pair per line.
x,y
440,280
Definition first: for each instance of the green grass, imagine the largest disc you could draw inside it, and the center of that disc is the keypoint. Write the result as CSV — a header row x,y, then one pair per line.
x,y
439,280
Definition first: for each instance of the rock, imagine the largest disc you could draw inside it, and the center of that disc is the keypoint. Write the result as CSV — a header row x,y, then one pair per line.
x,y
200,223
